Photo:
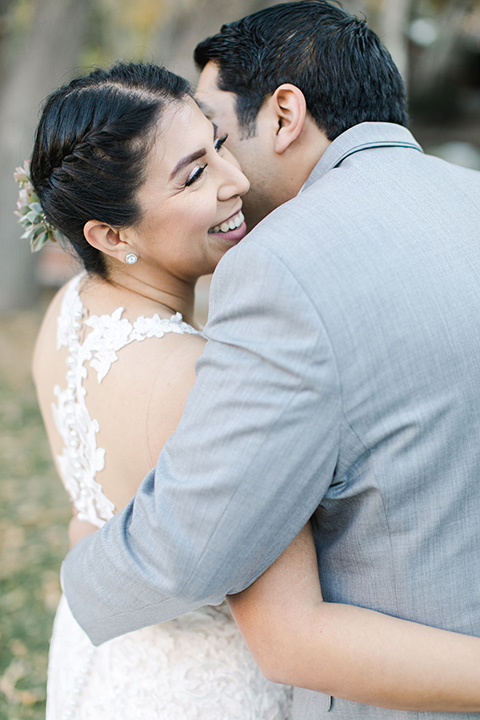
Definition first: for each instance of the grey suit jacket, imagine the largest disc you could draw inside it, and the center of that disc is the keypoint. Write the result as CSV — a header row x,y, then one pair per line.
x,y
341,379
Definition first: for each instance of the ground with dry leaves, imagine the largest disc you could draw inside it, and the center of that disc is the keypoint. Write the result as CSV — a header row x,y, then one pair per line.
x,y
34,513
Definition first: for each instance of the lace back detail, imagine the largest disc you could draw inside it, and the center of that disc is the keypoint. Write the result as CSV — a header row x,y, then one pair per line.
x,y
81,459
194,668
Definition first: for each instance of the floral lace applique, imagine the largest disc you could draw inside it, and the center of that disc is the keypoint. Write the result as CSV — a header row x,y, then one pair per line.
x,y
81,459
196,667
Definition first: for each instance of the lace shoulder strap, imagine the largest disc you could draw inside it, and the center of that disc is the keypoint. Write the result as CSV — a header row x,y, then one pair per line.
x,y
81,459
71,312
110,333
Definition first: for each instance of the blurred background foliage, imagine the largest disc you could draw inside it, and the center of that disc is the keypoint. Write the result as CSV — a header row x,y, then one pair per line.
x,y
44,43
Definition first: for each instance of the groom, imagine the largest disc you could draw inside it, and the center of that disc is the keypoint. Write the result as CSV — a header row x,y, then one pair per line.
x,y
342,373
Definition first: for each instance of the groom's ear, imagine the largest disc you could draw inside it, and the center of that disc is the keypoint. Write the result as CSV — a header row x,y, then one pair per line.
x,y
291,108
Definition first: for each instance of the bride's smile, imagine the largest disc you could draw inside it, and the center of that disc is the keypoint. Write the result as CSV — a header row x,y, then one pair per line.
x,y
190,199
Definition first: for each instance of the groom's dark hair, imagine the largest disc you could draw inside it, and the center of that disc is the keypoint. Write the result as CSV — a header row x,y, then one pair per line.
x,y
345,73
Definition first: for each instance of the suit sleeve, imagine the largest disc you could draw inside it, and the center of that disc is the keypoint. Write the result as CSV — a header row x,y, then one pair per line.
x,y
249,463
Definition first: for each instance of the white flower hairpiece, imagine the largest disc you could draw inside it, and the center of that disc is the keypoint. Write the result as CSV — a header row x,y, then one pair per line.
x,y
30,214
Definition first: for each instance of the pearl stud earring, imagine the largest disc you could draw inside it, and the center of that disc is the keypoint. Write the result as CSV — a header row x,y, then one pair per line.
x,y
131,258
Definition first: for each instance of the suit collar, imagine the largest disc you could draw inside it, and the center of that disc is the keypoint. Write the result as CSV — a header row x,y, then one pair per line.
x,y
362,137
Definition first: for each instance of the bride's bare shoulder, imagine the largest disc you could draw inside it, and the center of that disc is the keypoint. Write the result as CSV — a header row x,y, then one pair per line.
x,y
139,404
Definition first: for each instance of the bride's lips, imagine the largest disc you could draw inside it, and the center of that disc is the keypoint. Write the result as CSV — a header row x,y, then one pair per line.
x,y
233,229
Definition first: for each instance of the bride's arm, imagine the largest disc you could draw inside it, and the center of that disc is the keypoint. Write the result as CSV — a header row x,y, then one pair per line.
x,y
351,652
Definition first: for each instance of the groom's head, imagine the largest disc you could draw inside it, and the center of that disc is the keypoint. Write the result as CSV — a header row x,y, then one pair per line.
x,y
286,81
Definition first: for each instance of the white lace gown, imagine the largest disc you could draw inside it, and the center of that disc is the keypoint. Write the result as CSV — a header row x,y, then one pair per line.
x,y
193,668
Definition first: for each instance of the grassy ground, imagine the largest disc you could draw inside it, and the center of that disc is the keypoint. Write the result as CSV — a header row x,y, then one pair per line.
x,y
34,513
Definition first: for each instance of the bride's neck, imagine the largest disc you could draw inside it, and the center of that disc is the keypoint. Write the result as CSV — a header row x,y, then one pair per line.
x,y
171,293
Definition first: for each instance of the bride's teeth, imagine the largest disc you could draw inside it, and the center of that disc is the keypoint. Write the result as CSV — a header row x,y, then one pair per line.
x,y
232,224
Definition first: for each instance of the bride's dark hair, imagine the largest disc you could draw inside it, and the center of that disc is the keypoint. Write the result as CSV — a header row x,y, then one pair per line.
x,y
91,146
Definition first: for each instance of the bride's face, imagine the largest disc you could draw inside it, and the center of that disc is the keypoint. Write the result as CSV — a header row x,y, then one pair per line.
x,y
191,198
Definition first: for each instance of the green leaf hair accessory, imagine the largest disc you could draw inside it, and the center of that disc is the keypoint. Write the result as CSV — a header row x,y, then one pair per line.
x,y
30,214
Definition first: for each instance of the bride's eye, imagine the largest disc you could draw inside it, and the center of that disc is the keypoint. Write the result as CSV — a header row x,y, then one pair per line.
x,y
196,175
219,142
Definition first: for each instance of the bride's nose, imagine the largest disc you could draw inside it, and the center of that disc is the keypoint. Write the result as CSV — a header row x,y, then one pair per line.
x,y
233,181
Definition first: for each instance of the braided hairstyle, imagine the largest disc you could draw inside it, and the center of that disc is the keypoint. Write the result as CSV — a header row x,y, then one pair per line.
x,y
91,145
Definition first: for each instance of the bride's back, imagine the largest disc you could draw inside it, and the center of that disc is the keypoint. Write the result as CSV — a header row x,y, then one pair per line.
x,y
129,374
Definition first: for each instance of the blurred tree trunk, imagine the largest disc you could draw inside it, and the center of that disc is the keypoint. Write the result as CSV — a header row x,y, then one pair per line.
x,y
394,22
187,22
437,60
356,7
4,9
47,58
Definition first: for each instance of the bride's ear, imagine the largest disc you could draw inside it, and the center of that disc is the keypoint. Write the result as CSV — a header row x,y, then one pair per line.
x,y
106,239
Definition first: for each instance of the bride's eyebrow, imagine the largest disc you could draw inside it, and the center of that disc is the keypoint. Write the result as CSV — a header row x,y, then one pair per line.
x,y
187,160
196,155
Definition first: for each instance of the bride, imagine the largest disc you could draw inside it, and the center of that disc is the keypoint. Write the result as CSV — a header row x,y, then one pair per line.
x,y
129,170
